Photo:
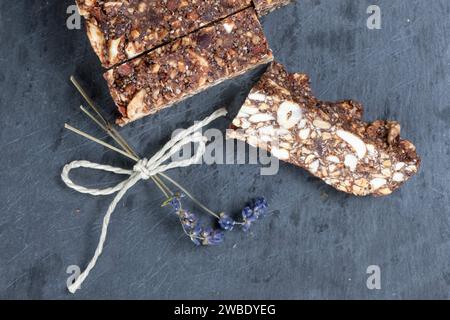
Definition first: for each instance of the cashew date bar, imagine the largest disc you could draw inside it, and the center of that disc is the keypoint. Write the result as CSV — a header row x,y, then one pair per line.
x,y
188,65
264,7
122,29
330,140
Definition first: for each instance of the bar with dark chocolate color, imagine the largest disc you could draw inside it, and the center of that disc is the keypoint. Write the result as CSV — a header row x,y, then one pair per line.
x,y
329,139
188,65
120,30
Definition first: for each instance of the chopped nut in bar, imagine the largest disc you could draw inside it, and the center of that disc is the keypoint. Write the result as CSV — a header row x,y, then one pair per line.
x,y
264,7
122,29
188,65
330,140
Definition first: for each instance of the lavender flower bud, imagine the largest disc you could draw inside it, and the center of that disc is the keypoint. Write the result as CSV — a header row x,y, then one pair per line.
x,y
226,222
212,237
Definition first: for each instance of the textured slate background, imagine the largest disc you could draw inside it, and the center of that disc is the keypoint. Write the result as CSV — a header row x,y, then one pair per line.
x,y
321,241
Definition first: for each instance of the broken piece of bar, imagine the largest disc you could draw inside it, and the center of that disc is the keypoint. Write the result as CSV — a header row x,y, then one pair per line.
x,y
188,65
264,7
121,30
330,140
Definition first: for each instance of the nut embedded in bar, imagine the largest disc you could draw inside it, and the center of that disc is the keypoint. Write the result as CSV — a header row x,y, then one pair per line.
x,y
330,140
189,65
121,30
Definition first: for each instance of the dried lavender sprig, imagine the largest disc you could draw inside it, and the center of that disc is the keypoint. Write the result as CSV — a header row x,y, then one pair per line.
x,y
198,203
105,144
109,129
191,226
257,209
113,133
101,121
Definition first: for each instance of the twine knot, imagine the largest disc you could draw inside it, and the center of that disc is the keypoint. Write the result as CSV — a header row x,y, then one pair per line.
x,y
144,169
141,167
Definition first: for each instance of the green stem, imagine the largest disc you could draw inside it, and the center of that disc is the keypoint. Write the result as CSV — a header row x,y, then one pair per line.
x,y
113,133
198,203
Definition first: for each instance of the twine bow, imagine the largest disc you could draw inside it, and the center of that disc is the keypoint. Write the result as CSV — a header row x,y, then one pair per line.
x,y
143,170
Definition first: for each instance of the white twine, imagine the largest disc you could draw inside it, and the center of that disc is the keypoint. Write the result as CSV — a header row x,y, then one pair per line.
x,y
143,170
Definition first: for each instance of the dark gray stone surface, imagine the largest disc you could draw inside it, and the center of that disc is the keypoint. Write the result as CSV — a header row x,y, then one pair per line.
x,y
321,241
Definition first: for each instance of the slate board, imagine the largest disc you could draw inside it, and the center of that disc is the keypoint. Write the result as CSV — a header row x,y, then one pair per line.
x,y
318,244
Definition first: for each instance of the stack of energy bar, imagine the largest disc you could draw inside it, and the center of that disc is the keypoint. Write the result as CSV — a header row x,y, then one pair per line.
x,y
160,52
